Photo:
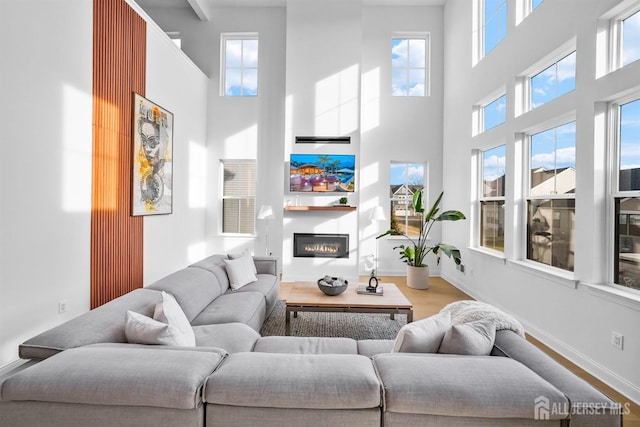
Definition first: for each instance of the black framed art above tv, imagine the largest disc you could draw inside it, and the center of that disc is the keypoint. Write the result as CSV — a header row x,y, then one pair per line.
x,y
322,173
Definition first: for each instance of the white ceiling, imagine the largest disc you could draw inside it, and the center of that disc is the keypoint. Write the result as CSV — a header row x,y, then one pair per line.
x,y
218,3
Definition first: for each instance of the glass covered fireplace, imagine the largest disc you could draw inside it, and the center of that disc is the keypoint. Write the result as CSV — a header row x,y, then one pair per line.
x,y
313,245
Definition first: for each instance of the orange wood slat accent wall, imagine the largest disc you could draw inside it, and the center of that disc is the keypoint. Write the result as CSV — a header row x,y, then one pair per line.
x,y
119,60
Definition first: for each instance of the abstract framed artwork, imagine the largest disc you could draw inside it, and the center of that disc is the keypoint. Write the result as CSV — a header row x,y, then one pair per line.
x,y
152,174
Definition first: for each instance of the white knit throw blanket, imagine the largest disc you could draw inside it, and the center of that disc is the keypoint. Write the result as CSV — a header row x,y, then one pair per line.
x,y
468,311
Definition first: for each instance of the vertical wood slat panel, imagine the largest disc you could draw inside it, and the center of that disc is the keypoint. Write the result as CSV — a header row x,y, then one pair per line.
x,y
119,62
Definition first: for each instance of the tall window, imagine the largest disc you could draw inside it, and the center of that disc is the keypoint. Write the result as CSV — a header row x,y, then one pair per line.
x,y
409,60
494,113
551,197
554,81
239,74
492,199
405,180
535,3
494,23
627,198
630,48
239,196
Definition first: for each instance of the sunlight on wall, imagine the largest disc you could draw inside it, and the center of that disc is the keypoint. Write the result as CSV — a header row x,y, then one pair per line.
x,y
197,175
369,175
196,251
76,152
371,100
242,145
336,108
602,48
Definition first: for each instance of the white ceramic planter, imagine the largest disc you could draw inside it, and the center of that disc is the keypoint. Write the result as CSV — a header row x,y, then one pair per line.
x,y
418,277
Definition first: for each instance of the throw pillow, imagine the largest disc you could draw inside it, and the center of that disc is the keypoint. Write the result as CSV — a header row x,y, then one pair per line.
x,y
240,271
244,252
141,329
169,311
474,338
423,336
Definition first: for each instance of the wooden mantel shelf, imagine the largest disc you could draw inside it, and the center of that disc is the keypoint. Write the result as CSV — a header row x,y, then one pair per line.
x,y
320,208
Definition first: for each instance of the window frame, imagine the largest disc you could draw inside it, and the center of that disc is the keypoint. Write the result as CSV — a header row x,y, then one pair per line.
x,y
482,26
482,198
528,197
483,108
531,76
614,192
415,35
222,198
616,37
224,37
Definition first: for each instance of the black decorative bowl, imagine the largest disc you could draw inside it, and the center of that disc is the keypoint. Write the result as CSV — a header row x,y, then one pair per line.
x,y
332,290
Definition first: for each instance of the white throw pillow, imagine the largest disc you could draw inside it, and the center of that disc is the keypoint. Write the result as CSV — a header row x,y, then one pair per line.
x,y
141,329
240,271
474,338
423,336
247,253
169,311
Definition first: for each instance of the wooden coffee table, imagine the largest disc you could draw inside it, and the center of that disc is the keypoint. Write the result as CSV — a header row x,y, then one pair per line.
x,y
305,296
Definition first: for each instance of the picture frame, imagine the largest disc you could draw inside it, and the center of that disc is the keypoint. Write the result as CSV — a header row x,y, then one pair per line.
x,y
152,158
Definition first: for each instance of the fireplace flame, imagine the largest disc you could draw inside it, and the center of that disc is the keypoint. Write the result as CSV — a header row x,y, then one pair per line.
x,y
320,248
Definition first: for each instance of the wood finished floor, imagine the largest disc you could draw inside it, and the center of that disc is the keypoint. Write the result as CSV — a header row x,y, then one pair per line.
x,y
440,293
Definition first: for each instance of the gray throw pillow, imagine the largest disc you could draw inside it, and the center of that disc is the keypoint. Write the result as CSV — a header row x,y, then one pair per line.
x,y
423,336
474,338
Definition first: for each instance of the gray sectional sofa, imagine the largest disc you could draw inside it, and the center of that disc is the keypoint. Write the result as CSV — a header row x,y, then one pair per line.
x,y
84,372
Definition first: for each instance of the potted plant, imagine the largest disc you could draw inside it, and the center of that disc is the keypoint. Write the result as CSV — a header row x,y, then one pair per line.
x,y
414,253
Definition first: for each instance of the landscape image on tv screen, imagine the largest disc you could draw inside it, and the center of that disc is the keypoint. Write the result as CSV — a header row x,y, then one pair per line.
x,y
322,172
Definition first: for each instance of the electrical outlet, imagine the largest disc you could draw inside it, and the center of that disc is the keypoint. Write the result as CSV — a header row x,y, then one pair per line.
x,y
460,268
617,340
62,306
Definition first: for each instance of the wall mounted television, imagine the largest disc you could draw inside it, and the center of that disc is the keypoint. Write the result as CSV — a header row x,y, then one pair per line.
x,y
321,173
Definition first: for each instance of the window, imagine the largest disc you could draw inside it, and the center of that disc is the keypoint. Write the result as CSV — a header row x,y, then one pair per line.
x,y
630,47
406,179
176,38
535,3
627,198
494,23
492,199
551,197
494,113
409,60
239,74
554,81
239,196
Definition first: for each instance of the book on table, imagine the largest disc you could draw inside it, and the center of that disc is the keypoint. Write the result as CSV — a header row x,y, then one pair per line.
x,y
362,289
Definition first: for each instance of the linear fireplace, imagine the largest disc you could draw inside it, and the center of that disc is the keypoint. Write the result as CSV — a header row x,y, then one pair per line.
x,y
315,245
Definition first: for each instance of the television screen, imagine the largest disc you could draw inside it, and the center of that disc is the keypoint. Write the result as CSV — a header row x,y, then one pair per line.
x,y
322,173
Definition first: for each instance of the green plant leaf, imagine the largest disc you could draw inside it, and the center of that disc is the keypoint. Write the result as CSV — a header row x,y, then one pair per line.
x,y
450,216
416,202
449,250
434,209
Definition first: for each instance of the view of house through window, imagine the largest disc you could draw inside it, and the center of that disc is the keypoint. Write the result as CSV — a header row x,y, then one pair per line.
x,y
554,81
409,66
239,65
627,205
405,180
551,202
492,199
239,196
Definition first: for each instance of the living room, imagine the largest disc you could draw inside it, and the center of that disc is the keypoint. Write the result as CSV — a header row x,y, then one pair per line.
x,y
304,49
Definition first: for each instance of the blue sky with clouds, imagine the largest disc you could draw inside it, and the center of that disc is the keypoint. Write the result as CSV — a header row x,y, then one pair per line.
x,y
408,66
411,173
630,135
241,62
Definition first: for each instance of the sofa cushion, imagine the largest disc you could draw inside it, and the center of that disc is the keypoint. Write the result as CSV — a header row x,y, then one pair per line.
x,y
169,311
193,288
267,285
232,337
141,329
423,336
116,376
464,386
243,307
102,324
474,338
370,348
314,381
241,271
306,345
215,265
243,254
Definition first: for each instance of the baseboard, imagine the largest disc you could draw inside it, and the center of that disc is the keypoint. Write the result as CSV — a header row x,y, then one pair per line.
x,y
601,372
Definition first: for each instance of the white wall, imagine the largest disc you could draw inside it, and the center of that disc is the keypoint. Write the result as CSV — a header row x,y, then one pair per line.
x,y
174,241
570,313
45,165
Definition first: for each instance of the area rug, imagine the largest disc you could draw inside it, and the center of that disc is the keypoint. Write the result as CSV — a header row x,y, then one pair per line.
x,y
359,326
